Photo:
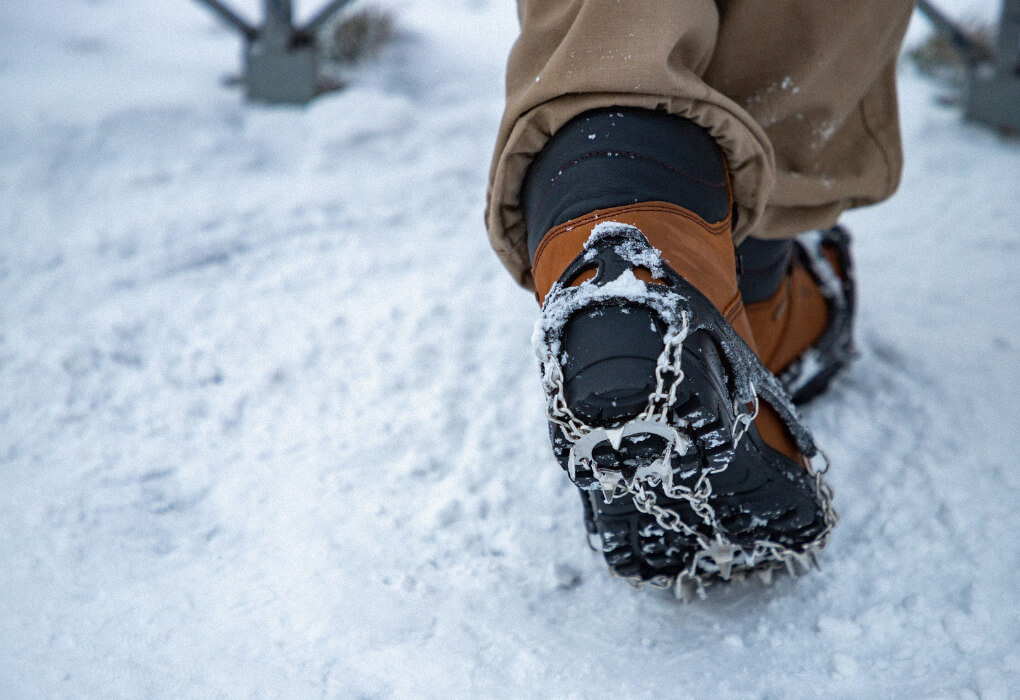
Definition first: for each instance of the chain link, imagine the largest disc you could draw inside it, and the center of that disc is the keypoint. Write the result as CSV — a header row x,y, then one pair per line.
x,y
667,364
660,401
744,420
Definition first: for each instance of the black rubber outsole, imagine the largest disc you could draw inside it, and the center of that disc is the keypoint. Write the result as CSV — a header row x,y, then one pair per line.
x,y
761,495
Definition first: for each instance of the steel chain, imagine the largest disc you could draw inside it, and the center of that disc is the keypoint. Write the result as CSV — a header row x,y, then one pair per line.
x,y
660,401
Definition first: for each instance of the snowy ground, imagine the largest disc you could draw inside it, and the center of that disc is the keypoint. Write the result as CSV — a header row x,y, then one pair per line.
x,y
270,425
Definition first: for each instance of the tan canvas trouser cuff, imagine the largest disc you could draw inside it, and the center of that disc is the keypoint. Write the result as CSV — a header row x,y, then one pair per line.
x,y
799,95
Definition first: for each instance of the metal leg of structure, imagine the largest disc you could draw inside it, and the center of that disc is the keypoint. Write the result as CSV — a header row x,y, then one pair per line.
x,y
280,59
280,75
993,76
993,88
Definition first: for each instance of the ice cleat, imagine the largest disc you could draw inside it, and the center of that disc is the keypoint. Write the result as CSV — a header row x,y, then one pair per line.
x,y
691,460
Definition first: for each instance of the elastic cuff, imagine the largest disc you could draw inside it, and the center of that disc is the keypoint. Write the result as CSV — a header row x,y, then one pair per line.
x,y
747,151
614,157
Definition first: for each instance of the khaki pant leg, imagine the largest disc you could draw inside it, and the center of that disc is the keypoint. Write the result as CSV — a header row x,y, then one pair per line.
x,y
577,55
748,71
820,78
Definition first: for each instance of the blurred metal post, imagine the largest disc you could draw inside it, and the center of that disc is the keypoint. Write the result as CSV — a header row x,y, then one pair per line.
x,y
993,88
280,64
993,76
280,60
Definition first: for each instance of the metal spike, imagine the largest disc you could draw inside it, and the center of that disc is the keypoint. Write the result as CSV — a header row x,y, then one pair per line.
x,y
722,554
629,483
609,480
615,436
572,465
724,568
788,560
663,467
684,589
652,473
766,576
681,443
667,474
815,559
804,561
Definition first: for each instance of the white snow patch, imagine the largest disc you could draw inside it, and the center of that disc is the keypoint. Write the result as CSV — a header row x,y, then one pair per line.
x,y
270,425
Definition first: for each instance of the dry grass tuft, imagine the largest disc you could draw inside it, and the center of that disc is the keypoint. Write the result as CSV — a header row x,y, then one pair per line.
x,y
357,37
937,58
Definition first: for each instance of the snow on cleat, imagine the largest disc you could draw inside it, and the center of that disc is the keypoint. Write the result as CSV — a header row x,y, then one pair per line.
x,y
652,398
826,257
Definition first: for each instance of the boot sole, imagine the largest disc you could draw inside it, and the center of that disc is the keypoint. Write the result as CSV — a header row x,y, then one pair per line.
x,y
760,497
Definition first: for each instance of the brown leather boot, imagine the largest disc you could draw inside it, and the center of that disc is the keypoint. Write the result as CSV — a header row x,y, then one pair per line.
x,y
691,460
804,332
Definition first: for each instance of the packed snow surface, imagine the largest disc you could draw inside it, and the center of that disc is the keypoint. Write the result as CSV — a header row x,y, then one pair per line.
x,y
270,425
